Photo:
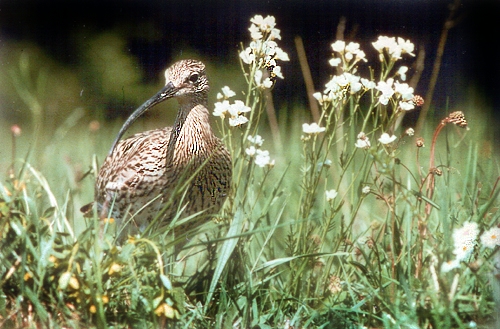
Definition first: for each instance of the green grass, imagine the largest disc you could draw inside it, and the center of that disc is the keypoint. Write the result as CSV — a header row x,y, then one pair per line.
x,y
279,255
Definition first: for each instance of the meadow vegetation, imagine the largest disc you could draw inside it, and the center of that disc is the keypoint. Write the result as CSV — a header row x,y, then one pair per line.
x,y
350,220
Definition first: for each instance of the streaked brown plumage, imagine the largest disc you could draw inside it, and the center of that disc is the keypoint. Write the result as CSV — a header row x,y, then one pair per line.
x,y
151,165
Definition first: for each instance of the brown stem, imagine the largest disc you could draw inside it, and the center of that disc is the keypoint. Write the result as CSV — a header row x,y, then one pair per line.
x,y
449,23
430,182
308,80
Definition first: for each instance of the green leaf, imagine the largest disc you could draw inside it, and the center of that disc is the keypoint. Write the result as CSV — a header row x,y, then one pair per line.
x,y
226,251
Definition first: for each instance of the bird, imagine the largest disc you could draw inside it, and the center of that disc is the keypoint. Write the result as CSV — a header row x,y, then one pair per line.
x,y
142,176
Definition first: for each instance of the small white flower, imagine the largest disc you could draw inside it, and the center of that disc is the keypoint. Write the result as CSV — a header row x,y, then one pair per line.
x,y
226,93
279,54
263,159
251,151
368,84
363,141
334,62
404,90
366,189
464,240
247,56
463,251
257,140
406,46
255,33
384,42
221,108
386,139
406,106
277,72
410,132
312,128
491,238
266,84
402,72
330,195
386,89
338,46
450,265
239,107
237,121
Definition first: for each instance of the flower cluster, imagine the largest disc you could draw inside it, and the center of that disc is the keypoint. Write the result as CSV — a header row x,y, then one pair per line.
x,y
261,157
264,51
464,241
394,48
235,111
397,91
349,54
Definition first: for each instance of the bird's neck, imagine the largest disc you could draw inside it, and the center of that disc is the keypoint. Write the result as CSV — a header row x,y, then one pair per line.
x,y
191,129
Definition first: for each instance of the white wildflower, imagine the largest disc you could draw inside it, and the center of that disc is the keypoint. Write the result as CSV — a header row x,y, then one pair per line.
x,y
368,84
363,141
238,121
312,128
266,84
247,56
330,195
263,159
366,189
277,72
226,93
402,72
386,89
279,54
267,25
404,90
334,62
386,139
464,239
491,238
235,110
255,32
406,46
251,151
406,106
221,109
256,140
338,46
384,42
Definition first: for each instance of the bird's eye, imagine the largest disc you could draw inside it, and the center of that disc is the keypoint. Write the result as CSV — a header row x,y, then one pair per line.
x,y
193,77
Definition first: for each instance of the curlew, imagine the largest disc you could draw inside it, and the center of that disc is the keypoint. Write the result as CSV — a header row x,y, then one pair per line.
x,y
141,176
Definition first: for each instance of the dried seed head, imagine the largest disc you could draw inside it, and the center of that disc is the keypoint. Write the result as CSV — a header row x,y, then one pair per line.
x,y
419,142
458,118
418,100
436,171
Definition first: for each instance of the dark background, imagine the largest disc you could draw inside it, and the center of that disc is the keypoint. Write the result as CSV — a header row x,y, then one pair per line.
x,y
159,30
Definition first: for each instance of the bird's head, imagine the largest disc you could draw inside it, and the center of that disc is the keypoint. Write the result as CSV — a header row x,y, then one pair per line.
x,y
186,80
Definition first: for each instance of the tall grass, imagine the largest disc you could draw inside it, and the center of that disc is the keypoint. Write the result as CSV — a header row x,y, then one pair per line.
x,y
343,227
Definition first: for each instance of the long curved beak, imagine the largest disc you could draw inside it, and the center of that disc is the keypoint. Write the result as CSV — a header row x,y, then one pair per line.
x,y
166,92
